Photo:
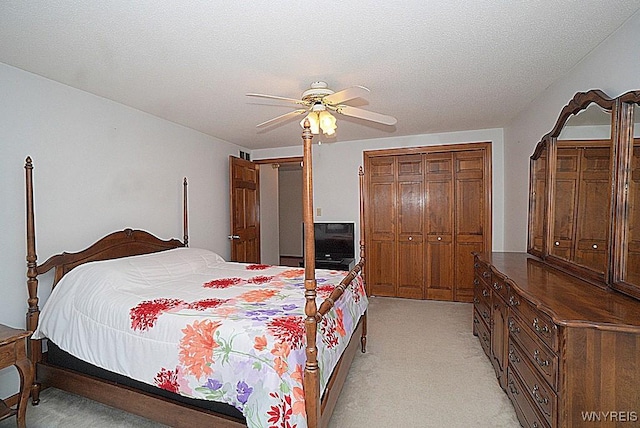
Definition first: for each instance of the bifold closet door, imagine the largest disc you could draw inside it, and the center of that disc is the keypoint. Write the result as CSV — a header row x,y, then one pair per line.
x,y
381,231
471,189
425,213
439,200
396,247
410,226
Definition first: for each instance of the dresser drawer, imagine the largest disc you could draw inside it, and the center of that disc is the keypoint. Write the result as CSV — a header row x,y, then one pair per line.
x,y
481,329
8,354
482,271
538,391
481,300
543,359
499,285
538,322
526,411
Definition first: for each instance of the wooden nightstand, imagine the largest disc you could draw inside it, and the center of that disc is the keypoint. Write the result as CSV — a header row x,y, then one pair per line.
x,y
13,344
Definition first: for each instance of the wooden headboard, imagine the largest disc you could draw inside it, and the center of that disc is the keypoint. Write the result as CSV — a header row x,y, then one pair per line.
x,y
124,243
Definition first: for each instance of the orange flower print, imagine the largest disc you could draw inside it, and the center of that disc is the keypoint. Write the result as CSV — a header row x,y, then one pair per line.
x,y
256,296
292,273
297,374
260,343
281,349
298,407
196,347
340,324
280,365
226,311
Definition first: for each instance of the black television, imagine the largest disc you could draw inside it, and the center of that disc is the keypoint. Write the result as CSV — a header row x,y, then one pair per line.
x,y
334,240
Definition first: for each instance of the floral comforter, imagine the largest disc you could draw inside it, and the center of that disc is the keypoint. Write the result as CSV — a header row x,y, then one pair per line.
x,y
189,322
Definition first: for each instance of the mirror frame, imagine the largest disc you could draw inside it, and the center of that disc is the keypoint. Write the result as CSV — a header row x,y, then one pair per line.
x,y
625,122
578,103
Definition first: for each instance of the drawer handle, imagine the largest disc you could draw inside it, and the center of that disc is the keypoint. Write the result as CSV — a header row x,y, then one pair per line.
x,y
538,397
513,301
476,265
485,338
486,274
595,246
497,286
513,328
536,325
513,357
475,320
512,388
476,301
485,292
535,424
476,282
540,361
485,314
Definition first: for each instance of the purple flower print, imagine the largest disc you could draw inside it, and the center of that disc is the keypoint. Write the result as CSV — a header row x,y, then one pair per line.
x,y
213,384
244,391
262,314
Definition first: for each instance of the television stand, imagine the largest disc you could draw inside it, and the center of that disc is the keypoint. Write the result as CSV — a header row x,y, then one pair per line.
x,y
341,264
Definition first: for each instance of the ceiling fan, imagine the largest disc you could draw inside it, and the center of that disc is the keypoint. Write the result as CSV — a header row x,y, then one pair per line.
x,y
319,101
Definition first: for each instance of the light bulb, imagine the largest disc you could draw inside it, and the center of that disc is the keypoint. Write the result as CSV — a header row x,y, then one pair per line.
x,y
327,123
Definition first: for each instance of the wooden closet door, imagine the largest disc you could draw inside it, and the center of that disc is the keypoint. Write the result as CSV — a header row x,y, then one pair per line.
x,y
439,226
470,218
381,232
410,242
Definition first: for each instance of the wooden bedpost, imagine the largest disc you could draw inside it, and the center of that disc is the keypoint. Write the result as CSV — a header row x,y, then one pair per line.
x,y
33,311
311,371
185,215
363,338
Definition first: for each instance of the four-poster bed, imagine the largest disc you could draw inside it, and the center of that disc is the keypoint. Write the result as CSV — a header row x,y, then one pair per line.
x,y
320,389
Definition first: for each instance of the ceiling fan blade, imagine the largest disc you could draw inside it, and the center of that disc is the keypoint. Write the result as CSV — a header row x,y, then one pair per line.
x,y
346,95
282,117
275,97
366,115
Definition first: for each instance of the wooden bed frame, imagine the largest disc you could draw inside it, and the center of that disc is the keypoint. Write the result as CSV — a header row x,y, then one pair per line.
x,y
130,242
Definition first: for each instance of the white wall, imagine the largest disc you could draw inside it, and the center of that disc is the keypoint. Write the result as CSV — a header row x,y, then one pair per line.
x,y
335,172
98,167
290,221
613,67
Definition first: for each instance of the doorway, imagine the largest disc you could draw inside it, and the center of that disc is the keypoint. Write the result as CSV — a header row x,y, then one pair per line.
x,y
281,211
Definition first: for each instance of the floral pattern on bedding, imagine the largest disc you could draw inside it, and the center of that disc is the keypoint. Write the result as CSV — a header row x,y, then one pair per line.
x,y
247,349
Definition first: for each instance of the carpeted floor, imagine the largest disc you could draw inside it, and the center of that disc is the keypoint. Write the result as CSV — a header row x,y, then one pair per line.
x,y
423,368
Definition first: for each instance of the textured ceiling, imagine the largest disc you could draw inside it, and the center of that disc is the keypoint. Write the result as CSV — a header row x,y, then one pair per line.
x,y
436,65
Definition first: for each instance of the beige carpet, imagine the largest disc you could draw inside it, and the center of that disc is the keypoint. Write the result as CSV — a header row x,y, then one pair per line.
x,y
423,368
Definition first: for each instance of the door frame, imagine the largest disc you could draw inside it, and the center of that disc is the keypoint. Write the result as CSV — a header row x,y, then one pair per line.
x,y
275,162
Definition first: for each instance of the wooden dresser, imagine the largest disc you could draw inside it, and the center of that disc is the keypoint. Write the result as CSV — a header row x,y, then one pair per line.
x,y
566,352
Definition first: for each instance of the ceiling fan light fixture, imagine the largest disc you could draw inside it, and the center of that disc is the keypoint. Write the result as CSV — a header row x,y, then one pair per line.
x,y
327,123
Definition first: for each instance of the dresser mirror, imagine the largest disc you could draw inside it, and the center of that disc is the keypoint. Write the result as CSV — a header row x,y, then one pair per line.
x,y
584,201
582,188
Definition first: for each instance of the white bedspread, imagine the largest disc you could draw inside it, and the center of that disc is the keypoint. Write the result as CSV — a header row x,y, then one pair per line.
x,y
189,322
